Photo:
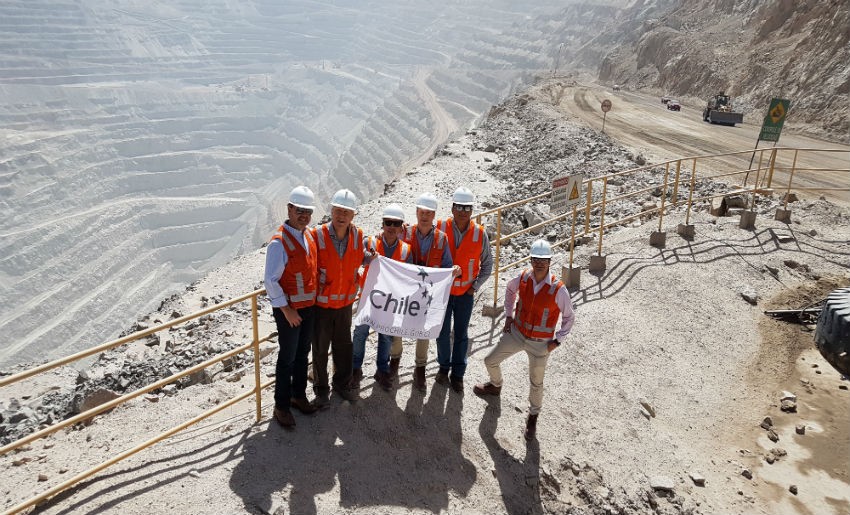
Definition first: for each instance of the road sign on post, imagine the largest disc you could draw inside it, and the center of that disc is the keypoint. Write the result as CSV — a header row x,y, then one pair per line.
x,y
771,128
566,192
606,106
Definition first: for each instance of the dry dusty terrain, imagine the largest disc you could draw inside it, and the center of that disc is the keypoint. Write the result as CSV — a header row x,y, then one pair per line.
x,y
667,326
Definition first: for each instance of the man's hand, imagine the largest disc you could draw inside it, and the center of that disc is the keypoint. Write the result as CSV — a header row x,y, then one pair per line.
x,y
456,271
291,315
509,321
369,255
552,345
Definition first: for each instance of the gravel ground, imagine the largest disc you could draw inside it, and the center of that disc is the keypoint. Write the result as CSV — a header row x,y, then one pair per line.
x,y
669,327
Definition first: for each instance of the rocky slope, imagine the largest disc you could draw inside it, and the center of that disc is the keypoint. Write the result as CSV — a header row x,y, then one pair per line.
x,y
753,50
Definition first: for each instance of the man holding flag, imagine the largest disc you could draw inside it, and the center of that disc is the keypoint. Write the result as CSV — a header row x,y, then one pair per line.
x,y
390,246
430,248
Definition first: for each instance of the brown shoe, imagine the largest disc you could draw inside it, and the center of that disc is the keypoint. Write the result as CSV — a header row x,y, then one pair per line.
x,y
487,388
531,428
394,363
419,379
457,385
284,418
304,406
442,378
383,380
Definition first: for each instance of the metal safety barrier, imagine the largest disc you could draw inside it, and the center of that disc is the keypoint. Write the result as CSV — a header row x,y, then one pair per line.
x,y
254,346
776,169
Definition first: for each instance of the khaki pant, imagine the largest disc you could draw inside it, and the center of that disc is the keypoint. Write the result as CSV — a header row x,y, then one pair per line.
x,y
421,350
538,355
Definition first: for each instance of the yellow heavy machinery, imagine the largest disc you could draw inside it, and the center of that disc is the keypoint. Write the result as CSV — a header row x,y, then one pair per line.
x,y
719,110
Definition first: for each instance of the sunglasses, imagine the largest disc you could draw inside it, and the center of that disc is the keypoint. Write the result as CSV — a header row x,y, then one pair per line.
x,y
458,207
539,260
393,223
303,211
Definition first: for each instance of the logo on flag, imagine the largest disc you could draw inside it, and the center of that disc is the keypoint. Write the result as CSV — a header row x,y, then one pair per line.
x,y
404,300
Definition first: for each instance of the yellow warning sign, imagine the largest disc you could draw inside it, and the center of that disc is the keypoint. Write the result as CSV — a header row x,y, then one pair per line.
x,y
777,113
574,192
566,192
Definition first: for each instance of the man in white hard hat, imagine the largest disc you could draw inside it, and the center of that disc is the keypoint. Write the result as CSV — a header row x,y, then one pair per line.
x,y
430,247
290,280
470,249
389,245
542,301
340,255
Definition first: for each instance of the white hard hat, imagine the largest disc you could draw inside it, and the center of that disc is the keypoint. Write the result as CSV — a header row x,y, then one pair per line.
x,y
427,201
394,211
345,199
463,197
302,196
541,249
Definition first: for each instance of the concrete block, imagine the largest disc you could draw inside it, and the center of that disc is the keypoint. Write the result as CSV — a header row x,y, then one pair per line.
x,y
686,230
492,311
658,239
783,215
597,263
571,277
748,220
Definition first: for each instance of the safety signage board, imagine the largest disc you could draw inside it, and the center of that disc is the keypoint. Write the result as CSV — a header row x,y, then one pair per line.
x,y
566,192
606,105
771,128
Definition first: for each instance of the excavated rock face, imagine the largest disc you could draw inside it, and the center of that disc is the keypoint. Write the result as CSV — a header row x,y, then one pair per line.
x,y
752,50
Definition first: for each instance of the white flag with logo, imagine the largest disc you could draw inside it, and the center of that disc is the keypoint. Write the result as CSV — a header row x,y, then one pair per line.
x,y
404,300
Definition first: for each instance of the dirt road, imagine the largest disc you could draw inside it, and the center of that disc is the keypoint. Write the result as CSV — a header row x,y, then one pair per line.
x,y
642,122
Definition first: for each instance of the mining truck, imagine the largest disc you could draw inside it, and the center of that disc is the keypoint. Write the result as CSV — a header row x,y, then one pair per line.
x,y
719,110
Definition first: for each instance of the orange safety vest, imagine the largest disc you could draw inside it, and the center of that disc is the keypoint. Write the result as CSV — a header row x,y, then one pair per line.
x,y
434,257
299,277
338,278
402,250
537,315
467,255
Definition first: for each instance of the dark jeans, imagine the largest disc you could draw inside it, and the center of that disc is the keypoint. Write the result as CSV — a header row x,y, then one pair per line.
x,y
291,369
333,331
452,356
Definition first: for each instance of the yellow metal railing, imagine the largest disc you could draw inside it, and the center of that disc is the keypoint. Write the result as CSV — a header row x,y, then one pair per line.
x,y
773,164
254,345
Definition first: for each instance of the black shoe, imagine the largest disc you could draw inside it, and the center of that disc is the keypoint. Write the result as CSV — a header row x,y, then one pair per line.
x,y
347,394
457,385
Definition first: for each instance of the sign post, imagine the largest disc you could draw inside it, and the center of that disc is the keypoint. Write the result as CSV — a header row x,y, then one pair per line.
x,y
771,127
606,106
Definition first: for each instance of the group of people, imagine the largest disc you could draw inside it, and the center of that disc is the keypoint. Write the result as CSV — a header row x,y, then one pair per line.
x,y
313,276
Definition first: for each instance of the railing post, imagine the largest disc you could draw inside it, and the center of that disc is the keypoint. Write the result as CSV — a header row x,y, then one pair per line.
x,y
790,178
602,214
691,192
257,389
573,235
772,166
498,258
663,196
587,207
676,184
